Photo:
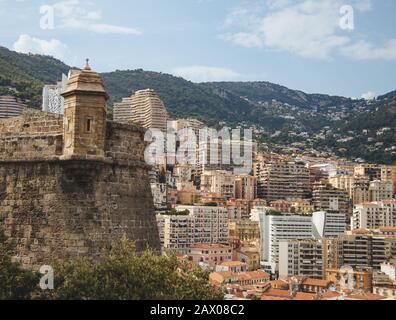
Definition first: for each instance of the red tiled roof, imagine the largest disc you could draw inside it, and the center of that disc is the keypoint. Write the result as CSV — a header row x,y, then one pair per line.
x,y
304,296
277,293
317,282
365,296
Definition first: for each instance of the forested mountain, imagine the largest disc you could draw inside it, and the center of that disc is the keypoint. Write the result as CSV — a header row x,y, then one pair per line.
x,y
352,128
24,75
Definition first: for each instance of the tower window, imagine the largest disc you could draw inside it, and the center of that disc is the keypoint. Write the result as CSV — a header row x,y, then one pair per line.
x,y
89,125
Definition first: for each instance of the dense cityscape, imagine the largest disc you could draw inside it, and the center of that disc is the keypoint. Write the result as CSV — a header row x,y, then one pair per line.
x,y
197,158
285,227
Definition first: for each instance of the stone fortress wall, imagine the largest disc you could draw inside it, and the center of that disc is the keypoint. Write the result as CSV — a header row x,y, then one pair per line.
x,y
57,207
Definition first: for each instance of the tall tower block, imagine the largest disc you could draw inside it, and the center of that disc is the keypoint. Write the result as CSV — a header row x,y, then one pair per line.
x,y
85,115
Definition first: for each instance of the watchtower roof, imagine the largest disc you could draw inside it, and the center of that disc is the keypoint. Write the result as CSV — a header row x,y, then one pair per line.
x,y
85,81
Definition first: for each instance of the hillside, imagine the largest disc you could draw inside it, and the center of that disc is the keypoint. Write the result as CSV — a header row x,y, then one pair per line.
x,y
285,117
181,97
25,74
261,92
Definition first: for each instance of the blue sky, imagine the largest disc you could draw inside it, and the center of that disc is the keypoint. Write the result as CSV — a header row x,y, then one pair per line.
x,y
311,45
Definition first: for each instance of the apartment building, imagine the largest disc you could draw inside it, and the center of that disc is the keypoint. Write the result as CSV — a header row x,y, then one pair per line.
x,y
183,173
246,187
277,227
222,151
175,231
244,229
194,225
144,108
360,250
380,190
330,199
238,209
305,258
159,192
351,280
343,182
389,268
282,180
372,171
250,257
360,190
302,206
328,224
218,181
374,215
281,205
189,196
209,255
11,106
186,124
388,173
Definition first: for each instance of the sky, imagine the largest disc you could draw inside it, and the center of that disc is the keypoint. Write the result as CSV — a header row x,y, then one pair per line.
x,y
335,47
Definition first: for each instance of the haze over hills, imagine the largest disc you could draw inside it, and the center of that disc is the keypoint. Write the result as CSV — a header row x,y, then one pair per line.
x,y
317,120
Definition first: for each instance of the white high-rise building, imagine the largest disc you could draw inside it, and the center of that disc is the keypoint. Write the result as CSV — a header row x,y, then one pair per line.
x,y
197,224
52,95
374,215
328,224
275,227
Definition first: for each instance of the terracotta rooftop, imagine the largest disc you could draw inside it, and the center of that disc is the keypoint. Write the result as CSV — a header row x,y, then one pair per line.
x,y
273,298
209,246
252,275
331,294
277,293
279,284
232,264
388,229
365,296
304,296
317,283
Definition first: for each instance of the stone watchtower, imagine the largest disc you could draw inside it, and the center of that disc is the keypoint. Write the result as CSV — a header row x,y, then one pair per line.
x,y
85,115
73,184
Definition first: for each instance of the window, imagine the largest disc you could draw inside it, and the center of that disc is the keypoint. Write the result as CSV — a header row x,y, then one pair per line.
x,y
88,127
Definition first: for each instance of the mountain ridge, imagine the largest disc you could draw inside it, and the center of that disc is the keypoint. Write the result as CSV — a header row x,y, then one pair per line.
x,y
324,120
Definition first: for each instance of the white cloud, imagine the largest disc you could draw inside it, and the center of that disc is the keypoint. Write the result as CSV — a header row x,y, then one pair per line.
x,y
205,73
369,95
363,50
72,14
307,28
28,44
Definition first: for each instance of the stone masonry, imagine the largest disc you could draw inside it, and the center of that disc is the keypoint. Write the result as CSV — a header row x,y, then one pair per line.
x,y
71,185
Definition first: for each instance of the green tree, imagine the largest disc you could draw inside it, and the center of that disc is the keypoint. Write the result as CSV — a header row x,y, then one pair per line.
x,y
15,283
124,275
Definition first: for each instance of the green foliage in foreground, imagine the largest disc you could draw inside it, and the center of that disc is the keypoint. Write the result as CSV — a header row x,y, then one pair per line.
x,y
124,275
120,275
15,283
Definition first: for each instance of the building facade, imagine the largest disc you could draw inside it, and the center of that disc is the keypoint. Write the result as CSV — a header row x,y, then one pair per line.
x,y
11,106
305,258
144,108
194,225
282,180
374,215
